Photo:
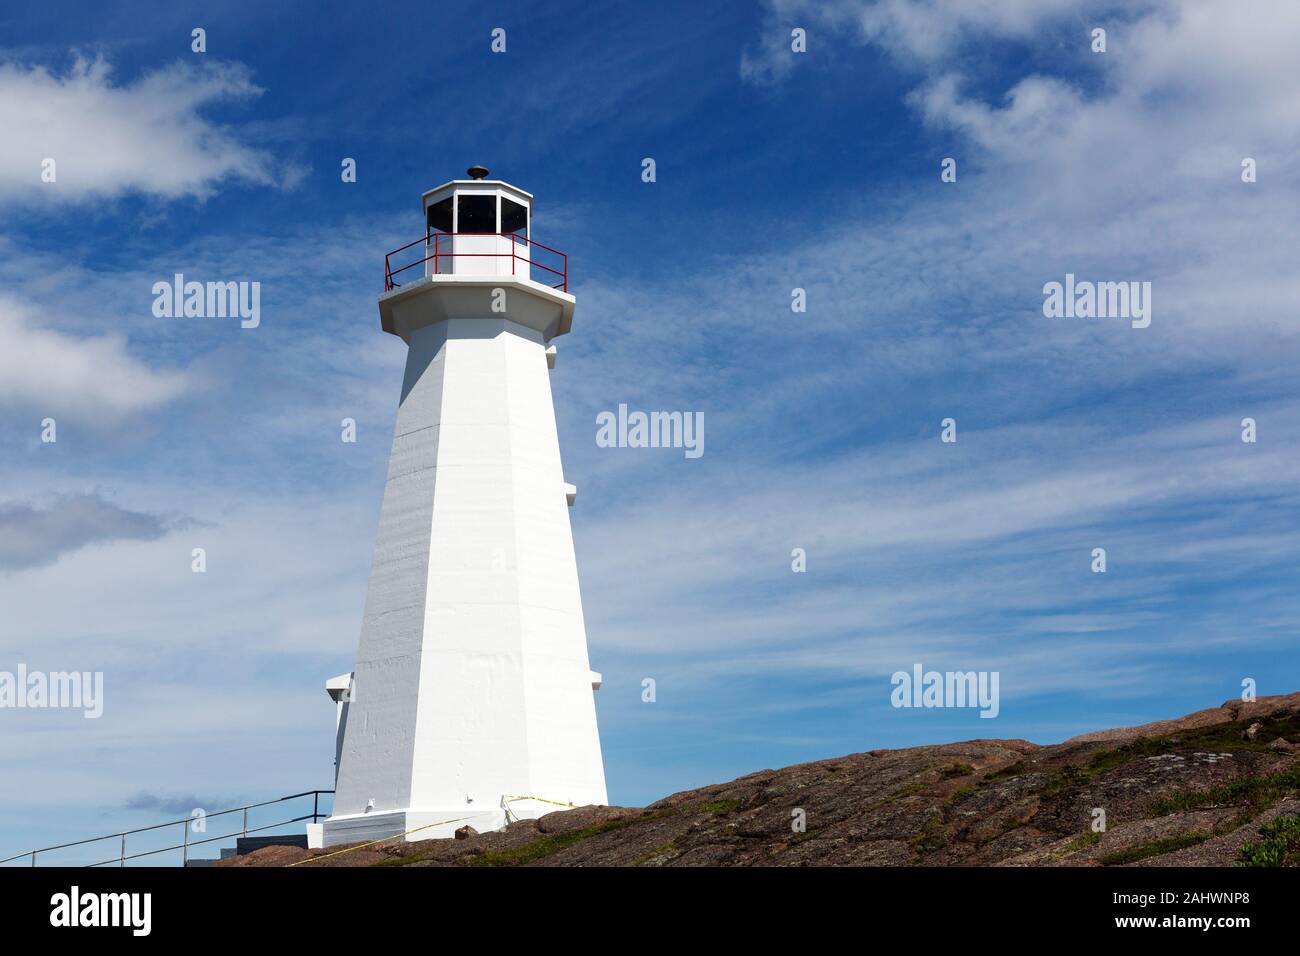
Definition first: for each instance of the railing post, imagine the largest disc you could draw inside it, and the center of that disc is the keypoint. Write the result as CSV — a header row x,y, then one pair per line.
x,y
33,857
245,821
315,805
121,857
185,844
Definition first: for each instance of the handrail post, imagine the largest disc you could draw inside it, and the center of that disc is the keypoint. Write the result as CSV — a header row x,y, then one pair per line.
x,y
121,857
315,805
185,844
33,857
245,821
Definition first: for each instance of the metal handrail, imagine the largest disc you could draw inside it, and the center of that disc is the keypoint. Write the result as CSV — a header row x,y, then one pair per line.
x,y
438,254
122,856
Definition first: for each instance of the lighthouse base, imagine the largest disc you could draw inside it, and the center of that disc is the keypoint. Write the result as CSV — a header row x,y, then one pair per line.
x,y
415,825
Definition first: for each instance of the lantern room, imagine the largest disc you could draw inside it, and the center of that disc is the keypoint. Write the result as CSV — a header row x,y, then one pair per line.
x,y
478,232
477,227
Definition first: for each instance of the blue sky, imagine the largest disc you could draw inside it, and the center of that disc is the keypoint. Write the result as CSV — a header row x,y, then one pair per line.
x,y
775,170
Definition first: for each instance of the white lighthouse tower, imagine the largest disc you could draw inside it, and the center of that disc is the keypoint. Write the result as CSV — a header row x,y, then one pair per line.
x,y
472,700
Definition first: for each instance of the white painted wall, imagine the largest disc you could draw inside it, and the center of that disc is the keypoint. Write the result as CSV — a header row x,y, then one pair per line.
x,y
486,256
472,681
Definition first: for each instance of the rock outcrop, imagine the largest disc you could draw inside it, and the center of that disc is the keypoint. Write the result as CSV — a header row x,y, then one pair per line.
x,y
1214,788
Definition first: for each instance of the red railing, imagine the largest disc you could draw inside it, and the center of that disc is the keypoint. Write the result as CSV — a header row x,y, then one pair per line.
x,y
446,250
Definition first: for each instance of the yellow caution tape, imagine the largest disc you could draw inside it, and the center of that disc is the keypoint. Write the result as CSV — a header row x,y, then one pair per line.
x,y
558,803
507,799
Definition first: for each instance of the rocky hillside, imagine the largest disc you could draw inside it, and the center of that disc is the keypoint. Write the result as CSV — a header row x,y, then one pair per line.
x,y
1214,788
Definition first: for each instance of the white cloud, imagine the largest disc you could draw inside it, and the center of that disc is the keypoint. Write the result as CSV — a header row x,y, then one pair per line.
x,y
87,379
1192,80
929,29
923,30
32,536
918,537
146,136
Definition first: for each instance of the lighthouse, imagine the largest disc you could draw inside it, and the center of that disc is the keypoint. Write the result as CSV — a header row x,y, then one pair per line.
x,y
472,698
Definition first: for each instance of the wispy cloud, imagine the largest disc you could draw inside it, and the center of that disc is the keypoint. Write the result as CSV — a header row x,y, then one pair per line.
x,y
179,806
32,536
918,32
88,378
148,136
